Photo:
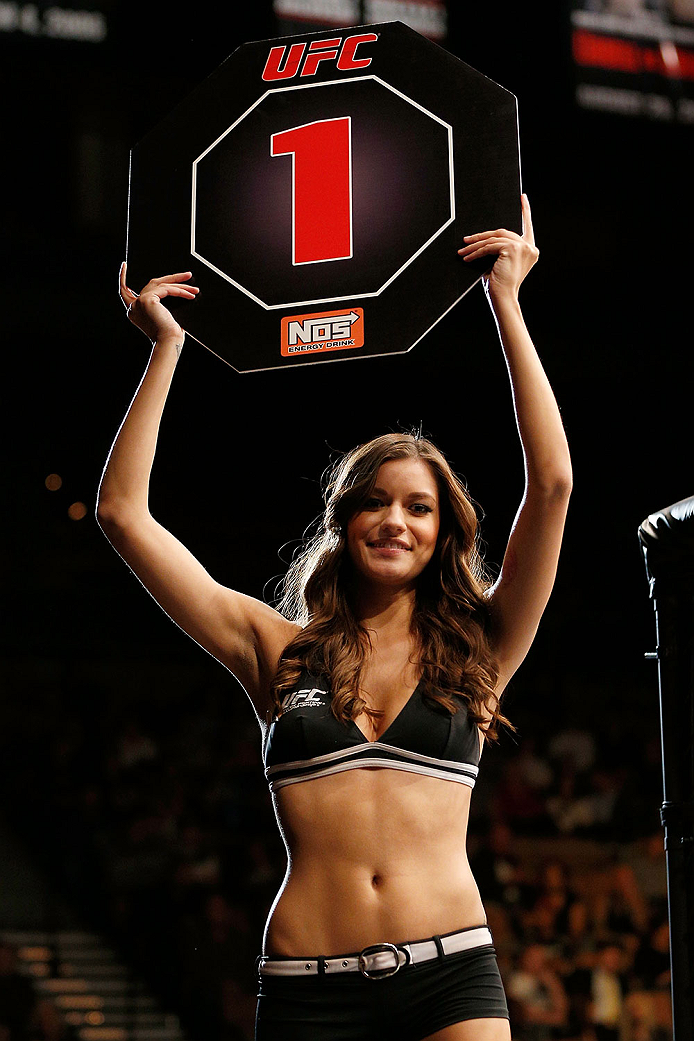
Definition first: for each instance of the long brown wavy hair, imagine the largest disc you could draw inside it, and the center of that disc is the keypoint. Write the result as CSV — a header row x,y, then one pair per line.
x,y
450,622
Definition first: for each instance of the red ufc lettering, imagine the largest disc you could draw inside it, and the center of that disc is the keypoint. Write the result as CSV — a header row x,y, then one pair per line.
x,y
347,58
284,65
272,69
317,52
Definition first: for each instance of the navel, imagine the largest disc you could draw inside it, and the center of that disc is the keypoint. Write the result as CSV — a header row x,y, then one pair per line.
x,y
376,881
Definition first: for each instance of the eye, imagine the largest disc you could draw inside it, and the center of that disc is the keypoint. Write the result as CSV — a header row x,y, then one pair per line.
x,y
372,504
420,508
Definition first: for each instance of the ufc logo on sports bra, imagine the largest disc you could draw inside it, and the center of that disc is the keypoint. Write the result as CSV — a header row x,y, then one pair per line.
x,y
303,699
283,66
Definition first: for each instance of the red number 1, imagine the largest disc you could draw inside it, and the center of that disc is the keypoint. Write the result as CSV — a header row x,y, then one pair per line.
x,y
321,188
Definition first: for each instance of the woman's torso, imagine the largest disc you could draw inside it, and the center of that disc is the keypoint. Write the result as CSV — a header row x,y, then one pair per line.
x,y
375,853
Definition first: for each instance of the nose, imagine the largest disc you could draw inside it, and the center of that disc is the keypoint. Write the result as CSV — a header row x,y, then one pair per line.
x,y
394,520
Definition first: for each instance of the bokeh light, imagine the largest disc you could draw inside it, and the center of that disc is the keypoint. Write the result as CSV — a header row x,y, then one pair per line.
x,y
77,511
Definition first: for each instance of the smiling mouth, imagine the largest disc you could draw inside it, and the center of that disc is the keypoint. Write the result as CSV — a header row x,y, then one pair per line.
x,y
391,544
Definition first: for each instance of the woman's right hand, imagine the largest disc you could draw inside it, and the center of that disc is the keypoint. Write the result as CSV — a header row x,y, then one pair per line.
x,y
146,310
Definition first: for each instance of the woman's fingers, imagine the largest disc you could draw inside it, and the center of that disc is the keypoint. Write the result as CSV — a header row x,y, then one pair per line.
x,y
189,292
180,276
528,233
146,311
499,233
495,239
504,233
126,295
169,282
509,256
160,290
170,285
484,251
482,246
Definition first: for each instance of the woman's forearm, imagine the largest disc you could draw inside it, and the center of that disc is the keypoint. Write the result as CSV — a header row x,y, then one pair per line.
x,y
545,449
124,488
547,462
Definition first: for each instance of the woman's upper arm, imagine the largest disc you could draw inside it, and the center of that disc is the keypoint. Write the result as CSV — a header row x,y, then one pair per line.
x,y
519,596
243,633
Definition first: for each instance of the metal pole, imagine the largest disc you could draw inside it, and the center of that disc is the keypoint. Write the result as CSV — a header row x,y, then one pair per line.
x,y
667,540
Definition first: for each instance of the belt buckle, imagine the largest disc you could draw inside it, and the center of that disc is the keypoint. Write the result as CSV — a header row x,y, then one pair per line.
x,y
379,948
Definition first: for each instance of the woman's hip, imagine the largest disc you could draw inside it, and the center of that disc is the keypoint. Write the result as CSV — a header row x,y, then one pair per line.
x,y
406,990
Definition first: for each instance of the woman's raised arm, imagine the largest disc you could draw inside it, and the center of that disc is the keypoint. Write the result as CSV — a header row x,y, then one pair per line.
x,y
244,634
520,595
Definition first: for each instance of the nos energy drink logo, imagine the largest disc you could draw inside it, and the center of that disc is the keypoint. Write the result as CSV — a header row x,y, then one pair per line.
x,y
304,334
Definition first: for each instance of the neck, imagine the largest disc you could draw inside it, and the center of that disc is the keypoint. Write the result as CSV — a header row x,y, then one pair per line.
x,y
386,611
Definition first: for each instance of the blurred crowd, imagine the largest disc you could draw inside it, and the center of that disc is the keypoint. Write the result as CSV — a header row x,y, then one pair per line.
x,y
151,811
25,1015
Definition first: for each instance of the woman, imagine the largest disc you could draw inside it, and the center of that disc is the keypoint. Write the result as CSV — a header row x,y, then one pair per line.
x,y
381,695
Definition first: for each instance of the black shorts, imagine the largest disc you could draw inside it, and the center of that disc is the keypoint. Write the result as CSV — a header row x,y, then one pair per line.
x,y
415,1002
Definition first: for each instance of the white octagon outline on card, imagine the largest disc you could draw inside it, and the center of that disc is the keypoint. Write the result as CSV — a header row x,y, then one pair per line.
x,y
327,299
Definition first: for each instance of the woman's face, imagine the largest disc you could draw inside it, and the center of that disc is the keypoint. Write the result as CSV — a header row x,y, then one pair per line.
x,y
393,536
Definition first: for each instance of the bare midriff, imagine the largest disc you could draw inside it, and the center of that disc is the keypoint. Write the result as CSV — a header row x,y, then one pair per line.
x,y
375,855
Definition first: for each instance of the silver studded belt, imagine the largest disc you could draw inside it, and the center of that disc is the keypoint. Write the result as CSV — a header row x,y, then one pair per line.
x,y
379,959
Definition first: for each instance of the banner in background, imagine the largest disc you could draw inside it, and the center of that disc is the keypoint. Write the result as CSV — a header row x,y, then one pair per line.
x,y
635,57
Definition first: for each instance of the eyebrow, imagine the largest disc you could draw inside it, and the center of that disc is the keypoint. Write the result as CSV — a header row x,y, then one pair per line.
x,y
412,496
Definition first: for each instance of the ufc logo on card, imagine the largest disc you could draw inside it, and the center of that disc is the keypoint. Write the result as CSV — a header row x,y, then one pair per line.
x,y
283,66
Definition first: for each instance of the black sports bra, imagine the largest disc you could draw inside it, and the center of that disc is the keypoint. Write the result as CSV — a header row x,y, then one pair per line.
x,y
307,741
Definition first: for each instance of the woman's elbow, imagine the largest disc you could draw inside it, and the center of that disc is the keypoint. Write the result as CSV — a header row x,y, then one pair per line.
x,y
563,483
107,519
113,517
104,512
553,486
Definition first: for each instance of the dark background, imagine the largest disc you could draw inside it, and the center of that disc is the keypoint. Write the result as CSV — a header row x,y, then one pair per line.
x,y
240,457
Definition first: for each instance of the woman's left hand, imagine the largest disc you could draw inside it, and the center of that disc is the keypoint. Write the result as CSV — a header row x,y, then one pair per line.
x,y
515,254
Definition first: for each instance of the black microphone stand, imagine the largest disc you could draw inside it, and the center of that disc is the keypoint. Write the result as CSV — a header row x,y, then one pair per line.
x,y
667,541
